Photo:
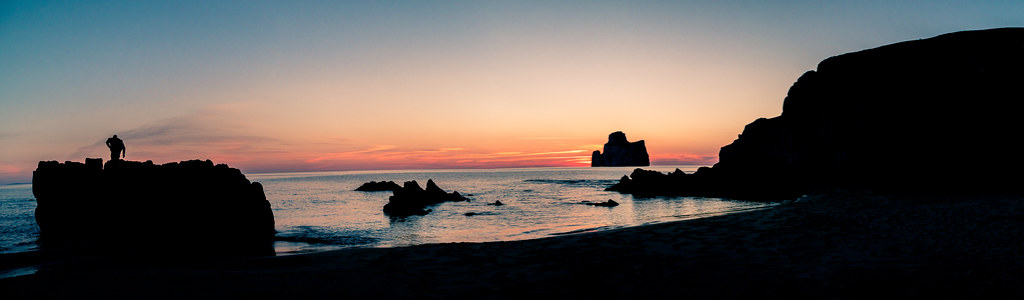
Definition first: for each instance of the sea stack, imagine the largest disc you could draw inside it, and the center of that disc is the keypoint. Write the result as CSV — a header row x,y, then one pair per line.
x,y
188,208
619,152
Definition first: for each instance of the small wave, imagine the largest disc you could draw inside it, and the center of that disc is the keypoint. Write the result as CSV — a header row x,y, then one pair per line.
x,y
11,273
318,235
483,213
329,240
723,212
575,231
592,229
574,182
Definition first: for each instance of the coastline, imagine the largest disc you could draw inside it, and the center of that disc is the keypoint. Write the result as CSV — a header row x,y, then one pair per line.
x,y
844,245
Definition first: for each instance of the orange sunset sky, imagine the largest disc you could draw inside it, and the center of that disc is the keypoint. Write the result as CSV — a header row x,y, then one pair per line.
x,y
275,86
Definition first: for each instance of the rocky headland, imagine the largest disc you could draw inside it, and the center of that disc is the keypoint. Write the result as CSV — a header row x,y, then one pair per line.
x,y
188,208
620,152
411,199
931,115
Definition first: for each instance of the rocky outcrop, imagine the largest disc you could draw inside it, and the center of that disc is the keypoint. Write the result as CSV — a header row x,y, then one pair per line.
x,y
932,115
190,208
620,152
411,199
609,203
382,186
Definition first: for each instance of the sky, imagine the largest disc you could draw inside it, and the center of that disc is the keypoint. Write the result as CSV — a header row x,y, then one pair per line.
x,y
282,86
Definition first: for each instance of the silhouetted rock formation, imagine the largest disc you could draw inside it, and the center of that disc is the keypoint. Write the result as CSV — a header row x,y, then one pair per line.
x,y
609,203
411,199
188,208
618,151
932,115
374,186
646,183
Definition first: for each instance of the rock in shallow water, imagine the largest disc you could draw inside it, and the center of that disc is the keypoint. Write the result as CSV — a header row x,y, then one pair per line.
x,y
381,186
411,199
609,203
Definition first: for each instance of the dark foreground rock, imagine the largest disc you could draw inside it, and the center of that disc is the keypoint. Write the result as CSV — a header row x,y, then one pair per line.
x,y
381,186
180,208
411,199
619,151
891,118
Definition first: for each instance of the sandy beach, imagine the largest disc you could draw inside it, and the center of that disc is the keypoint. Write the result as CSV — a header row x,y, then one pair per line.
x,y
849,245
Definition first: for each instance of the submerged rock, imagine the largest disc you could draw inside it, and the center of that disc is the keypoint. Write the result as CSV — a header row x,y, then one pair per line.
x,y
190,208
609,203
618,151
411,199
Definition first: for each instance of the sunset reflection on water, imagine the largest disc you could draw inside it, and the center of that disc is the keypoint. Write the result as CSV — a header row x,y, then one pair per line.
x,y
319,211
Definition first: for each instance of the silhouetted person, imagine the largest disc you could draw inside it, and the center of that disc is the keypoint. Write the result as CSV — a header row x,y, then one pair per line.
x,y
116,146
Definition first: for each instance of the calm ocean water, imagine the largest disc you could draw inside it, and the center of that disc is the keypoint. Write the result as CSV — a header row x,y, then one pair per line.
x,y
321,211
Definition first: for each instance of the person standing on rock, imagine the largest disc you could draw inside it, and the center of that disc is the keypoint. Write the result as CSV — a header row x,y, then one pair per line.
x,y
116,146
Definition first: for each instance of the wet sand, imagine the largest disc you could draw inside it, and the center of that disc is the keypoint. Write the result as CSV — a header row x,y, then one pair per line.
x,y
850,245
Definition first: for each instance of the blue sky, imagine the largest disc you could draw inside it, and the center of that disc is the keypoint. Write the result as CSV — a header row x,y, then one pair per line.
x,y
331,85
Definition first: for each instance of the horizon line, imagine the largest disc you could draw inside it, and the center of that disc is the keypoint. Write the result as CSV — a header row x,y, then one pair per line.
x,y
474,168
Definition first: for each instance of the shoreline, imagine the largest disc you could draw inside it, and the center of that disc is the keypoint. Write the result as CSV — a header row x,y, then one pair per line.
x,y
845,245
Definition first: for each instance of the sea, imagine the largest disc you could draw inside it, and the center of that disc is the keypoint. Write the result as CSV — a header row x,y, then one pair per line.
x,y
319,211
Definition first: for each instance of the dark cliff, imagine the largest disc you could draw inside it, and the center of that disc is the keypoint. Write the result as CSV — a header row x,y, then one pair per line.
x,y
618,151
189,208
937,114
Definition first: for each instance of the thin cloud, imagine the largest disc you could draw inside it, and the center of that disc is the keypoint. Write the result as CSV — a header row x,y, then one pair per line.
x,y
351,154
684,159
8,169
547,138
180,138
